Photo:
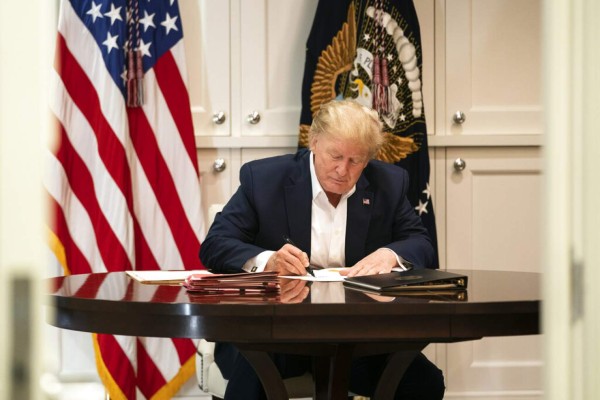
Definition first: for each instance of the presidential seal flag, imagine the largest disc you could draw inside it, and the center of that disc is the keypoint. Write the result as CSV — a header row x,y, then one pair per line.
x,y
370,51
122,174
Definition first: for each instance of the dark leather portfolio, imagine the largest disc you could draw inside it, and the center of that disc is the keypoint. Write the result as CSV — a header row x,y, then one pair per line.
x,y
407,281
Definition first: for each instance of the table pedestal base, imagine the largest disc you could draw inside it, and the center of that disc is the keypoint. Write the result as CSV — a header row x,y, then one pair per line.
x,y
331,366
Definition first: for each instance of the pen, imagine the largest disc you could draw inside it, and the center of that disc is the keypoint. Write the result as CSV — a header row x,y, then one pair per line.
x,y
309,269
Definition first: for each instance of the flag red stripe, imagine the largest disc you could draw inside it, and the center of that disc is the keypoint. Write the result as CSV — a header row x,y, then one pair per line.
x,y
153,378
76,262
185,349
176,96
82,185
91,287
160,178
118,363
144,259
84,95
129,291
165,294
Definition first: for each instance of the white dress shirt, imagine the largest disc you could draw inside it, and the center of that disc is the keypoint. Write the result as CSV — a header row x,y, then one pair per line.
x,y
327,225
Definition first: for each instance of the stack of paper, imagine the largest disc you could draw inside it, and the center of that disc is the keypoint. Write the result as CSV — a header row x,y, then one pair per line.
x,y
244,283
163,277
234,298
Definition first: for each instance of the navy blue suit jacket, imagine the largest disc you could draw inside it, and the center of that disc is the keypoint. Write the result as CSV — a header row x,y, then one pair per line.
x,y
275,199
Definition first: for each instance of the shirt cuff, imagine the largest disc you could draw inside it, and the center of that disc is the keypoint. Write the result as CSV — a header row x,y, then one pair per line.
x,y
402,264
258,263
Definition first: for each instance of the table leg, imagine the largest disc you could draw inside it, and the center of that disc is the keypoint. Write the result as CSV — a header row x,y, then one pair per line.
x,y
331,373
339,372
267,373
331,369
321,376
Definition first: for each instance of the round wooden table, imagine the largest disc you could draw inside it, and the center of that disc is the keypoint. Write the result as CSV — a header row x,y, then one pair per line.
x,y
332,323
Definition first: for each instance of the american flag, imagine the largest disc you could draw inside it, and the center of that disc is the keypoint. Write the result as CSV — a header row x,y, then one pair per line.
x,y
123,181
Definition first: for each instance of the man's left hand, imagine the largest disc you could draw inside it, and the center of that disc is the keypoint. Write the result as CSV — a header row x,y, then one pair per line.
x,y
379,262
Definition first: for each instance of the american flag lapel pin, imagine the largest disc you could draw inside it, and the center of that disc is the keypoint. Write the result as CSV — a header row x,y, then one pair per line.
x,y
366,202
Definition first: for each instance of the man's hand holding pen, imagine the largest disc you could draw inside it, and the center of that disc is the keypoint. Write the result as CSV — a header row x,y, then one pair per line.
x,y
288,260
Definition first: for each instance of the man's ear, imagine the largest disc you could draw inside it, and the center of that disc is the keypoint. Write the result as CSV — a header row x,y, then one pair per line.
x,y
313,143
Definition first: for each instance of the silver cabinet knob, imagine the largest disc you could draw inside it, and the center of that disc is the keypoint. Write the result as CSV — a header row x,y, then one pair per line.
x,y
253,117
219,165
459,117
459,164
218,117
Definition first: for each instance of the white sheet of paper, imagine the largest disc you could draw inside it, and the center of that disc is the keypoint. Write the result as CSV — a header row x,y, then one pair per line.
x,y
321,275
159,276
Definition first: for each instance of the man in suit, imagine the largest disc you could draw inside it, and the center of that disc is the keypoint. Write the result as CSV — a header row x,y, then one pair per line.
x,y
338,207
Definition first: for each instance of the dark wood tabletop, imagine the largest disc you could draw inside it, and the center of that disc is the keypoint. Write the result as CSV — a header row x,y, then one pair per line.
x,y
331,320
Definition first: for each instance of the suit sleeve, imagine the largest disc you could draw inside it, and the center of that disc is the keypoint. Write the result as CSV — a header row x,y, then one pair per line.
x,y
229,242
411,241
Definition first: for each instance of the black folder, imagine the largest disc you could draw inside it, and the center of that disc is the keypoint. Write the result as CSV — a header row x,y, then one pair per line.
x,y
408,281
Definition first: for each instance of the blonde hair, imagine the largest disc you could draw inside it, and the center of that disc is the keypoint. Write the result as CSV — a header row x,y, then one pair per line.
x,y
348,120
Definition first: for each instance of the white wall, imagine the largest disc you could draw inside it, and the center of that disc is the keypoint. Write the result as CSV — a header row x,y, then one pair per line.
x,y
25,46
572,195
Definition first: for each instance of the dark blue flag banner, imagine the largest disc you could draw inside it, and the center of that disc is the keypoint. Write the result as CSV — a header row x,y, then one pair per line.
x,y
370,51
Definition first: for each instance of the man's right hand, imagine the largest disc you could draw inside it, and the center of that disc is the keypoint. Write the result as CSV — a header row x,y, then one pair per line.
x,y
289,260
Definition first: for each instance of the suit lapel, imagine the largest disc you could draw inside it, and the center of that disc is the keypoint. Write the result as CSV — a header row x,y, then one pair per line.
x,y
298,202
360,205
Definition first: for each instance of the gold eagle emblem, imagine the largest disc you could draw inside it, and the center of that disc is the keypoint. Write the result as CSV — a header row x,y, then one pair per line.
x,y
336,59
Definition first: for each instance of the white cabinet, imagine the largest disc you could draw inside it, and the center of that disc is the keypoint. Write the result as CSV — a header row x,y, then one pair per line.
x,y
272,44
493,208
488,66
492,67
207,38
246,61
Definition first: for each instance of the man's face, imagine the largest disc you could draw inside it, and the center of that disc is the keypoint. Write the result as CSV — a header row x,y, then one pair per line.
x,y
338,163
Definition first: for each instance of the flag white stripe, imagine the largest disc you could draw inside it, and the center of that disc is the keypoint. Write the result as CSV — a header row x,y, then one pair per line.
x,y
129,347
111,200
73,287
152,221
174,152
163,350
178,52
78,222
139,394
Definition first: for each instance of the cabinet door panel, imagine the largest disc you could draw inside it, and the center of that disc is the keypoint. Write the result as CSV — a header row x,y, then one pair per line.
x,y
493,66
494,368
215,186
207,44
492,215
273,41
